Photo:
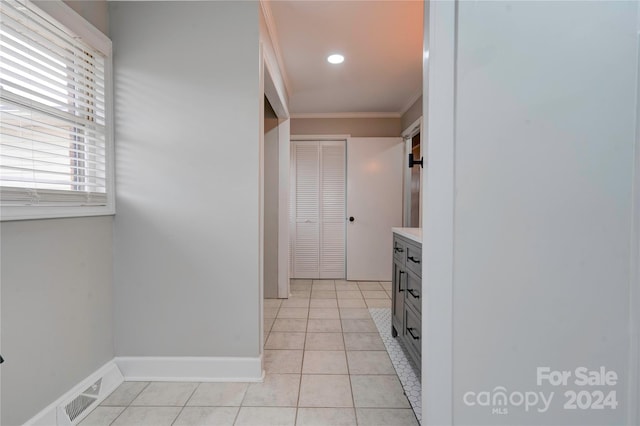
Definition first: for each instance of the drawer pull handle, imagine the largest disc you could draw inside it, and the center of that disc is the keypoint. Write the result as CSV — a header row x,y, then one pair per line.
x,y
413,293
398,250
400,290
413,259
410,330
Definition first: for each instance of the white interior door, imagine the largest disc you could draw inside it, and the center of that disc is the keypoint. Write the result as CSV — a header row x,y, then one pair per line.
x,y
374,200
318,209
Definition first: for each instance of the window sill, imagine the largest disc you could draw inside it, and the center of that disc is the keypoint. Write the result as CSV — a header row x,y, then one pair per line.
x,y
8,214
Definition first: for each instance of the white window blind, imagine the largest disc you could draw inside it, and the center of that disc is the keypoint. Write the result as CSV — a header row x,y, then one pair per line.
x,y
53,137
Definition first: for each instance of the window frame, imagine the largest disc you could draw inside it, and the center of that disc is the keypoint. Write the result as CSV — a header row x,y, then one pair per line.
x,y
57,11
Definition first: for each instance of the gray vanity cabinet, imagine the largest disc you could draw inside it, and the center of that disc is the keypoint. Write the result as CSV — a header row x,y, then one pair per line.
x,y
406,306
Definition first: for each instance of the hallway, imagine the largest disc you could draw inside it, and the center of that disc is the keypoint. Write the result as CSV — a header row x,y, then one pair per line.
x,y
325,365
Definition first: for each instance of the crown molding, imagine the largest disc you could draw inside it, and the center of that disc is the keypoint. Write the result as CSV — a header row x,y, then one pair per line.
x,y
347,115
273,34
399,114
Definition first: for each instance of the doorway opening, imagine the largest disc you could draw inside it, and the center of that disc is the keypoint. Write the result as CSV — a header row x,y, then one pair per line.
x,y
271,205
413,176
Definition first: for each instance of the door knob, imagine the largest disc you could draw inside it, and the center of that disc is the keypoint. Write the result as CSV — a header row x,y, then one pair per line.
x,y
351,218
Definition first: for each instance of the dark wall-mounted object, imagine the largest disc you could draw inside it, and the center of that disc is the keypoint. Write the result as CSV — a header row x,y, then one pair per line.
x,y
413,162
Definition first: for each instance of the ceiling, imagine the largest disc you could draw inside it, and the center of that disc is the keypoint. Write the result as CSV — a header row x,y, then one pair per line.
x,y
380,40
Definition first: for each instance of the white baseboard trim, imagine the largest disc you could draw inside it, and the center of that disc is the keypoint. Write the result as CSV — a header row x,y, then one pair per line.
x,y
164,369
191,369
111,379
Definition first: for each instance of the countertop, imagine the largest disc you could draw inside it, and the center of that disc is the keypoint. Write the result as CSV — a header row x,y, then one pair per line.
x,y
414,234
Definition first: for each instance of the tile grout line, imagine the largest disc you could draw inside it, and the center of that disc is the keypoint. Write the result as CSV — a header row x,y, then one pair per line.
x,y
235,418
185,403
128,405
304,345
306,330
265,338
353,402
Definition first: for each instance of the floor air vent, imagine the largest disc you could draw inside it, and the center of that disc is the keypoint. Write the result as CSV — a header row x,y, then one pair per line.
x,y
77,403
83,401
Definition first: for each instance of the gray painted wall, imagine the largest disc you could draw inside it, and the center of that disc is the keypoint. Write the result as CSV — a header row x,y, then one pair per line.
x,y
56,298
271,199
94,11
356,127
544,162
187,147
412,114
56,309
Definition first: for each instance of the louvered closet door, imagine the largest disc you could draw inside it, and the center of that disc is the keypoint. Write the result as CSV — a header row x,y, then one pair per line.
x,y
318,214
332,210
306,254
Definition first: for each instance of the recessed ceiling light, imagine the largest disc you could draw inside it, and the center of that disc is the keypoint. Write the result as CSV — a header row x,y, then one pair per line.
x,y
335,59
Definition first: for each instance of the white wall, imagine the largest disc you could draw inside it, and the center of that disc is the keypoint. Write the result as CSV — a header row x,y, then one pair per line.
x,y
271,201
186,275
56,298
545,128
284,162
273,79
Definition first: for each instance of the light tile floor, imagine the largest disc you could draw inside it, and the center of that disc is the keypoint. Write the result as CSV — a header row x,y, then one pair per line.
x,y
325,363
405,368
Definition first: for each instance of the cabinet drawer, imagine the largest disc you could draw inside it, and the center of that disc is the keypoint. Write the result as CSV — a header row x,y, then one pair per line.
x,y
413,291
399,250
414,259
412,331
